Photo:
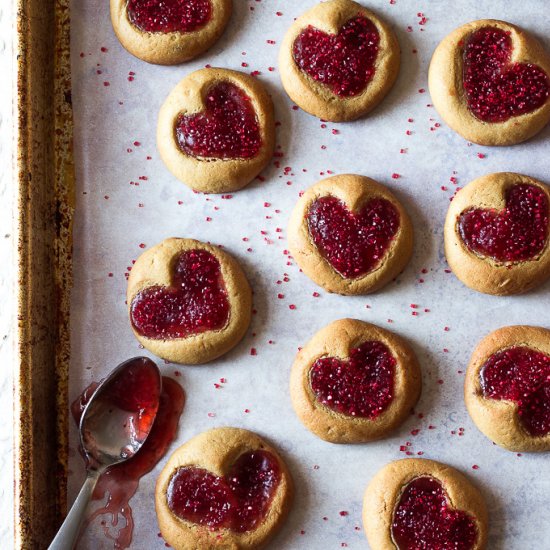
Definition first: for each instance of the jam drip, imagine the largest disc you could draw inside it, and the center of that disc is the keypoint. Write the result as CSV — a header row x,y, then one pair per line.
x,y
345,62
423,520
196,302
238,501
227,129
516,234
521,375
361,386
354,244
495,88
169,15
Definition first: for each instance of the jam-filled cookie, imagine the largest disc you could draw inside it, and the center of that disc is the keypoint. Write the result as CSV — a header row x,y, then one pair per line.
x,y
189,302
216,130
225,488
168,32
489,80
354,382
507,388
496,234
350,235
416,503
338,60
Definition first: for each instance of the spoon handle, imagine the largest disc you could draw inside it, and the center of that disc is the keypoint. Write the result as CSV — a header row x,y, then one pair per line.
x,y
68,532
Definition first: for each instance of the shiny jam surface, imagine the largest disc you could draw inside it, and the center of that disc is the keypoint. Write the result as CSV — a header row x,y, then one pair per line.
x,y
238,501
362,386
169,15
228,127
345,62
195,302
518,233
522,375
495,88
353,243
424,520
120,483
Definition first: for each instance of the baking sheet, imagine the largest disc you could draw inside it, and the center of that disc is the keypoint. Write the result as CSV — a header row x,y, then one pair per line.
x,y
127,200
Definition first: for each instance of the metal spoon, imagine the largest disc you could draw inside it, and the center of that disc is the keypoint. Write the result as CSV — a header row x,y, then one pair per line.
x,y
113,427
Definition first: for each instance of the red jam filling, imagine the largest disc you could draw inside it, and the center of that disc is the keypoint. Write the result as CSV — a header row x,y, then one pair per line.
x,y
516,234
353,244
423,519
361,386
227,129
522,375
169,15
195,302
238,501
344,62
495,88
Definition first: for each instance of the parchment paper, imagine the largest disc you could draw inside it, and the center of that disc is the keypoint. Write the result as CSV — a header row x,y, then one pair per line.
x,y
125,201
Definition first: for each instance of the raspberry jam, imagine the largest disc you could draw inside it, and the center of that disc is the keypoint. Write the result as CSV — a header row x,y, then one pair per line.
x,y
238,501
354,244
195,302
361,386
344,62
169,15
227,129
495,88
516,234
423,519
522,375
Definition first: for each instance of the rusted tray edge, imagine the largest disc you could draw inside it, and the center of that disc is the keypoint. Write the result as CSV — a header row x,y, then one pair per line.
x,y
44,183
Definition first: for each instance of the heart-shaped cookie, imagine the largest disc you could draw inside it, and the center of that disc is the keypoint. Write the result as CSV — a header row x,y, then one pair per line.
x,y
497,89
227,129
344,62
188,301
515,234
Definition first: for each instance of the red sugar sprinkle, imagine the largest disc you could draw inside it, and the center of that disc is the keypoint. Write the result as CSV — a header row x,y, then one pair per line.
x,y
253,351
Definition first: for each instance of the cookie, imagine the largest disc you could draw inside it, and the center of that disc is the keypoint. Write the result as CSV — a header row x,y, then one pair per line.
x,y
339,60
496,234
350,235
489,81
507,388
168,32
417,503
216,130
354,382
225,488
189,302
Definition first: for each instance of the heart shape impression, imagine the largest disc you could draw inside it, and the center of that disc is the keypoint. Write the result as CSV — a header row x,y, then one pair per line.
x,y
423,519
238,501
518,233
195,302
343,62
227,129
169,15
353,243
361,386
522,375
495,88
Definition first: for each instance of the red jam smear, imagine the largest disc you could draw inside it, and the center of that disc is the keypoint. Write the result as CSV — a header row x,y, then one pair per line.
x,y
344,62
495,88
227,129
522,375
120,482
516,234
238,501
423,519
196,301
169,15
362,386
353,243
